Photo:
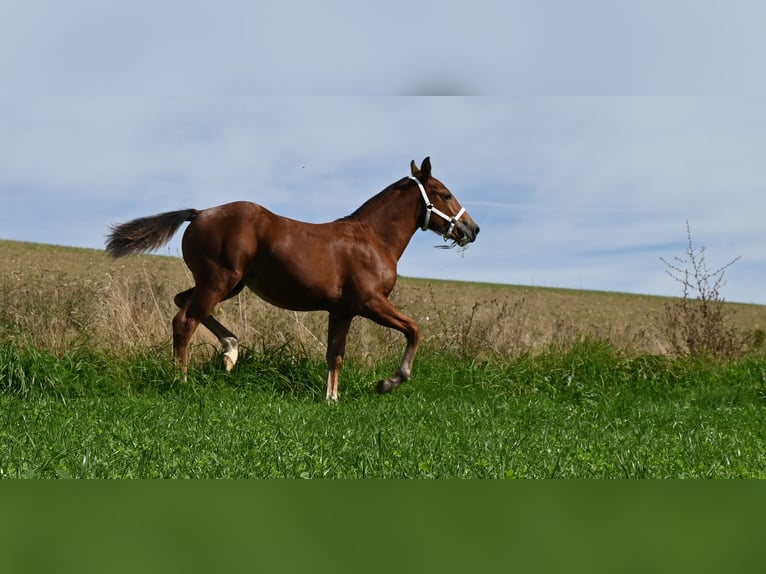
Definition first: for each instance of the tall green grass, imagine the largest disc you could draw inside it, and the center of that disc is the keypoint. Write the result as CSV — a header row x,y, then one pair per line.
x,y
583,411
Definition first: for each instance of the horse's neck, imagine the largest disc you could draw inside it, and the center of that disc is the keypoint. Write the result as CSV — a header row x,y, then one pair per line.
x,y
393,216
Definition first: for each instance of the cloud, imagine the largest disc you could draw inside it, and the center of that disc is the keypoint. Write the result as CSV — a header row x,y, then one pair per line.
x,y
569,192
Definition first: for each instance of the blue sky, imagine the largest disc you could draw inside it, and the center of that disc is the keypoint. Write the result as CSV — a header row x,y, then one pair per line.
x,y
571,190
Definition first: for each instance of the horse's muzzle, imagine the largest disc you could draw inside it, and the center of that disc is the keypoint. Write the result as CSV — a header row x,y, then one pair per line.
x,y
465,233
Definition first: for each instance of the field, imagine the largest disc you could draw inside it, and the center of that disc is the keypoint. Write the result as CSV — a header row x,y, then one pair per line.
x,y
511,382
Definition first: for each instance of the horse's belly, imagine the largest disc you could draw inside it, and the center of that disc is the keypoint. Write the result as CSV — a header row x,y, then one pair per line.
x,y
289,294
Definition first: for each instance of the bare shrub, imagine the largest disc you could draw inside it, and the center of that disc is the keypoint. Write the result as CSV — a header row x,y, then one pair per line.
x,y
697,324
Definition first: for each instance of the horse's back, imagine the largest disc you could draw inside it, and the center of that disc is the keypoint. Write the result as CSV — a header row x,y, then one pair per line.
x,y
230,212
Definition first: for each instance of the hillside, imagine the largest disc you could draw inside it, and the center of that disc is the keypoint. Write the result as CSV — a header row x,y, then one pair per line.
x,y
57,297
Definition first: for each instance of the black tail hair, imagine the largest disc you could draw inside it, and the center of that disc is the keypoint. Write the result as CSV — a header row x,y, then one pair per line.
x,y
146,233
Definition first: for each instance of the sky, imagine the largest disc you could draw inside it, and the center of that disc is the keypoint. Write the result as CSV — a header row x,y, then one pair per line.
x,y
112,111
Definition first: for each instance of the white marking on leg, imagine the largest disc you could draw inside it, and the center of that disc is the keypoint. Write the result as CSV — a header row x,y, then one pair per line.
x,y
230,352
332,389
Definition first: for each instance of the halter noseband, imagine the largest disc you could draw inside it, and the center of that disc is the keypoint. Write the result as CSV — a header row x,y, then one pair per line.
x,y
430,208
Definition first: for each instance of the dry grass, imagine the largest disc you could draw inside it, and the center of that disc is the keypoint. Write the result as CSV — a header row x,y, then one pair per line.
x,y
57,297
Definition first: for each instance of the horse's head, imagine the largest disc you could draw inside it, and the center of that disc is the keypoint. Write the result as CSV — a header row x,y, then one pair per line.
x,y
443,213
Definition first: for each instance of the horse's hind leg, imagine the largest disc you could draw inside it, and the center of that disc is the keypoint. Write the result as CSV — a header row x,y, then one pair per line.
x,y
228,341
183,329
227,338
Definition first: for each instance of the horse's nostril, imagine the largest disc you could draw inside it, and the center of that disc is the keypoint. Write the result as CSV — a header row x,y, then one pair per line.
x,y
476,231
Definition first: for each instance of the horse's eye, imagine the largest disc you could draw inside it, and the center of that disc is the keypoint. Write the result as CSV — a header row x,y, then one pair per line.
x,y
447,196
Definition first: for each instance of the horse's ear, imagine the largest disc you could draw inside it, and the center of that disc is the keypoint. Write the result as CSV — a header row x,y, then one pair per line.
x,y
425,169
413,168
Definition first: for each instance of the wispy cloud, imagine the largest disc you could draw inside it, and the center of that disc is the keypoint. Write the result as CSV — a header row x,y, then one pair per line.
x,y
569,192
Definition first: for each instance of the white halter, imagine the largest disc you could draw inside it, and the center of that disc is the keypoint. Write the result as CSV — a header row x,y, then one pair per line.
x,y
430,208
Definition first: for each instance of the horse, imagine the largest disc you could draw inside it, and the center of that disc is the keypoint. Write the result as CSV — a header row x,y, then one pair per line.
x,y
347,267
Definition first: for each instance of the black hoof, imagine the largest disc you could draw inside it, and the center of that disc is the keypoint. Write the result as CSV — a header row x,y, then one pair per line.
x,y
385,386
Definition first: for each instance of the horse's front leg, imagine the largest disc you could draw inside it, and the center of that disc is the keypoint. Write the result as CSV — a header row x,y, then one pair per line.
x,y
337,330
383,312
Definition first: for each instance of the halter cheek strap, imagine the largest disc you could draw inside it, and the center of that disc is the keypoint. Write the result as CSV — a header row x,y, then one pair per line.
x,y
430,208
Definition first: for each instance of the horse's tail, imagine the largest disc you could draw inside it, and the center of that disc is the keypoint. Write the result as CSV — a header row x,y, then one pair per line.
x,y
146,233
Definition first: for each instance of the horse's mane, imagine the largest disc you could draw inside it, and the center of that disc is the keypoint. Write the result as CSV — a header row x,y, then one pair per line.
x,y
372,202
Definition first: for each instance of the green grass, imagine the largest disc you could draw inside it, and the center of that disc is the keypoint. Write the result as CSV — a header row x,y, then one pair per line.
x,y
586,411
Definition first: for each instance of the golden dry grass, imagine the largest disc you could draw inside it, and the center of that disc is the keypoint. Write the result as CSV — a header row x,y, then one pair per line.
x,y
59,297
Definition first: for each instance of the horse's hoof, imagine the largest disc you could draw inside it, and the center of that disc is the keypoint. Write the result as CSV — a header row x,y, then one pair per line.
x,y
385,386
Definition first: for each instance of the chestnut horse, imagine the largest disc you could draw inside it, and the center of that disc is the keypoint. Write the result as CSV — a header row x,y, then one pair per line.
x,y
346,267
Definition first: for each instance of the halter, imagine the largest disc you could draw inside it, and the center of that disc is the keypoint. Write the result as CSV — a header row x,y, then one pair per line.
x,y
430,208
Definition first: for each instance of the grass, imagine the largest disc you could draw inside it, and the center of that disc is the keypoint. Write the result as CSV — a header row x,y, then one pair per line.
x,y
511,382
585,412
